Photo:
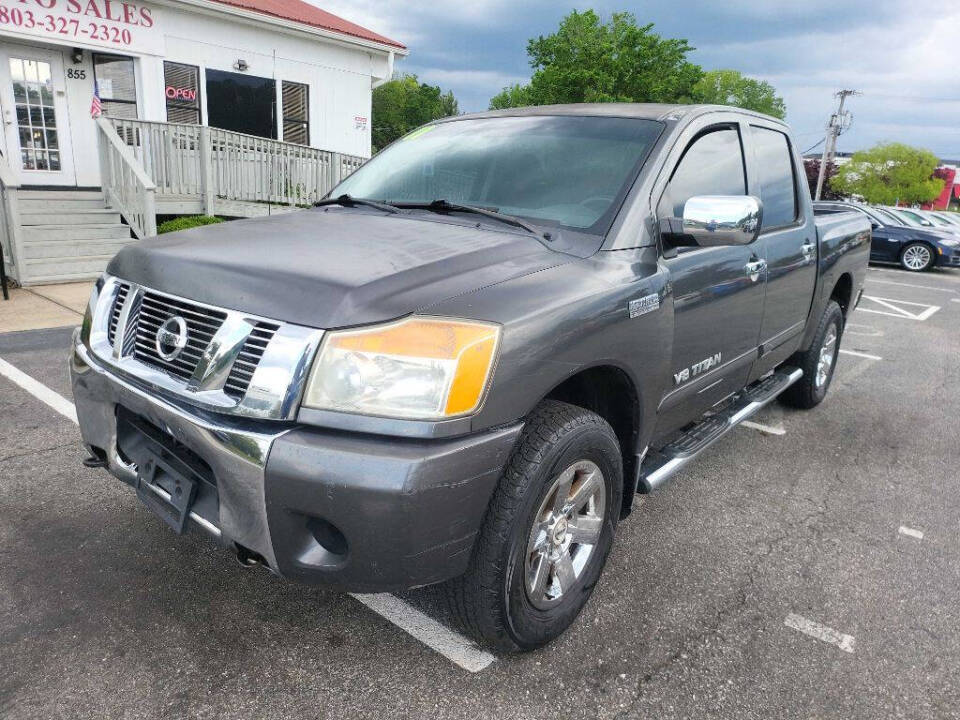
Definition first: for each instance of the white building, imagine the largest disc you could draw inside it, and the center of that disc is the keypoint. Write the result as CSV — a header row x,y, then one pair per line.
x,y
271,79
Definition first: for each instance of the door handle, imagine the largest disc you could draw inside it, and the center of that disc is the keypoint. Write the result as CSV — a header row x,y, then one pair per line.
x,y
807,248
754,268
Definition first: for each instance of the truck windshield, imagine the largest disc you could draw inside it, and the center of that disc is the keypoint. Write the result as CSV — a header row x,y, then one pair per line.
x,y
553,170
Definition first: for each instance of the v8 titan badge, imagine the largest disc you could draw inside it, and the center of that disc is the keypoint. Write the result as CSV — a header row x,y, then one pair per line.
x,y
641,306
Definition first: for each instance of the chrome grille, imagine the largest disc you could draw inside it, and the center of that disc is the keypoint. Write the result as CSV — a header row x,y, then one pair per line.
x,y
130,331
130,315
202,324
249,358
122,291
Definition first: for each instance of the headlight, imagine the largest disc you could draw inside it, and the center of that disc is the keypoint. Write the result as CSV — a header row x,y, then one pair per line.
x,y
950,242
422,368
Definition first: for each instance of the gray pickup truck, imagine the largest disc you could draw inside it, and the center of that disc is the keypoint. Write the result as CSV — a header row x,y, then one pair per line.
x,y
465,364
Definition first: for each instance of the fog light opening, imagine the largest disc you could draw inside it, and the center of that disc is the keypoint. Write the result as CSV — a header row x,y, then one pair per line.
x,y
328,536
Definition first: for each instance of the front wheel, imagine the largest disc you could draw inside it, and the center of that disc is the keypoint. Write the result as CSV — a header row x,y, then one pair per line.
x,y
917,257
548,530
818,362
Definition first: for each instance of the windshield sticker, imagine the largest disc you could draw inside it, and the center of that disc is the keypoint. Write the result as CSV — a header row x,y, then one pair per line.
x,y
420,131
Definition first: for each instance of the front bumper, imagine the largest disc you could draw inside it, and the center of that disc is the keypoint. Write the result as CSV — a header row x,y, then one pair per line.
x,y
358,511
949,257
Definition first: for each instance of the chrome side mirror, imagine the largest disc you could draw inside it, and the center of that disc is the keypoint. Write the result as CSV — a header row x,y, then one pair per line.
x,y
714,220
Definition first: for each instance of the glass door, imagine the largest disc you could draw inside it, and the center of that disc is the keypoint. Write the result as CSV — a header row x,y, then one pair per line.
x,y
36,124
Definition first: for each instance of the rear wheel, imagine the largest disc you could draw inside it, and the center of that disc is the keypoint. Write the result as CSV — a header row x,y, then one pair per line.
x,y
917,257
547,533
818,362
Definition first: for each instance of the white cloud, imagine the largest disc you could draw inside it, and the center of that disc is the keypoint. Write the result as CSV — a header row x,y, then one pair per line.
x,y
900,53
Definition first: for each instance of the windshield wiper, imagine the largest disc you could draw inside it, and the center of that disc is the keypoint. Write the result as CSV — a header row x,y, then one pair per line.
x,y
350,201
442,206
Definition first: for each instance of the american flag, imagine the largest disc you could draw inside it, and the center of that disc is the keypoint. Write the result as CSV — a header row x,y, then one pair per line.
x,y
96,107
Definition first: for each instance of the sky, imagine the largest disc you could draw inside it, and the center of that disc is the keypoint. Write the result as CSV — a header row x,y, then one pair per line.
x,y
903,55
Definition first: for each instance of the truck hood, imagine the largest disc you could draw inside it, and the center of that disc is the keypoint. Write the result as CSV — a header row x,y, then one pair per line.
x,y
333,268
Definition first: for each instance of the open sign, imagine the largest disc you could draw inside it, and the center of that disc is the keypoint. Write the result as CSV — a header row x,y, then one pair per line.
x,y
175,93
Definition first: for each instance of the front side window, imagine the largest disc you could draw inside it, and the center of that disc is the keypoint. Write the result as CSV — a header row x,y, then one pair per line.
x,y
918,219
711,165
116,81
778,187
296,112
564,170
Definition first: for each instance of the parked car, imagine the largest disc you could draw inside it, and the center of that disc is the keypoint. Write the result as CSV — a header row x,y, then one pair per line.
x,y
914,248
465,364
910,217
918,219
941,221
951,217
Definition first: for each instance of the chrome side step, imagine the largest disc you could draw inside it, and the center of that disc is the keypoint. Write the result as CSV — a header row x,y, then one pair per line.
x,y
661,465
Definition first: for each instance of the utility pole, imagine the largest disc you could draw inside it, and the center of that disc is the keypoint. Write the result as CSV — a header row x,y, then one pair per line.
x,y
839,122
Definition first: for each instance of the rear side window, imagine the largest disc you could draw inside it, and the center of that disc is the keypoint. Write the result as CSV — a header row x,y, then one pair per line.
x,y
778,188
712,165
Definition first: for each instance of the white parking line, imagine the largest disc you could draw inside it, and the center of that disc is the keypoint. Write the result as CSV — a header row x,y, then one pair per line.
x,y
868,356
911,285
765,429
910,532
820,632
955,300
866,330
894,305
39,391
452,645
424,628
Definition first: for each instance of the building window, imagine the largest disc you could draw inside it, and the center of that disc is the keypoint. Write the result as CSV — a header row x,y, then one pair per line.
x,y
117,83
36,118
244,103
296,113
182,90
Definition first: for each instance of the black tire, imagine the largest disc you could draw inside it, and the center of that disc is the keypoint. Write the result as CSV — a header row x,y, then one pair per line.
x,y
914,250
491,600
807,392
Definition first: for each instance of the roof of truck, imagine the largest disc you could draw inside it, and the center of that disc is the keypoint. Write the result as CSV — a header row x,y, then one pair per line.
x,y
644,111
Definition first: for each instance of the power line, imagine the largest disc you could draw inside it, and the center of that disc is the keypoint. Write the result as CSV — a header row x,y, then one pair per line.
x,y
814,146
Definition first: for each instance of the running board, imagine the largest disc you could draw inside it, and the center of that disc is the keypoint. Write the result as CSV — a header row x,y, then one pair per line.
x,y
661,465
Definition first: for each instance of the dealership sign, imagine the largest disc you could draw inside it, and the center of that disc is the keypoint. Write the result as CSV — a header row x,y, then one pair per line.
x,y
113,24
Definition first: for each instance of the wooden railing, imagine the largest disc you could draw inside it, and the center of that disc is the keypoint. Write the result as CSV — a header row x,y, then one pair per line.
x,y
212,165
11,243
126,185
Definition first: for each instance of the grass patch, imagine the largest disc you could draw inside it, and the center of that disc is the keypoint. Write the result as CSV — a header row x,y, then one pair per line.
x,y
185,223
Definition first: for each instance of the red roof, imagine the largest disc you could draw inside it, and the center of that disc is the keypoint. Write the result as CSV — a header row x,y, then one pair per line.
x,y
307,14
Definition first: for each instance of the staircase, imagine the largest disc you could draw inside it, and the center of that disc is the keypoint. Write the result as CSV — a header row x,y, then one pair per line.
x,y
67,235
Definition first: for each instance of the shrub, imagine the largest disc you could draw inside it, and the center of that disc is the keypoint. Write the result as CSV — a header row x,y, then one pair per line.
x,y
185,223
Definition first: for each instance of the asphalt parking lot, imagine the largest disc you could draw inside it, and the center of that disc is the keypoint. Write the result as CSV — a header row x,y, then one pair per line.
x,y
807,566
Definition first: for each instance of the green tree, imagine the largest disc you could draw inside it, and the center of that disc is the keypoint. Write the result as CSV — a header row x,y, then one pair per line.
x,y
587,60
404,104
889,173
513,96
730,87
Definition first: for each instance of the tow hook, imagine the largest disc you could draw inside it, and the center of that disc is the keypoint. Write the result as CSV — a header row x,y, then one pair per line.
x,y
248,558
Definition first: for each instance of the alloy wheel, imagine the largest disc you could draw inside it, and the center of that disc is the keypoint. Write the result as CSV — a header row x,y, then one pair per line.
x,y
565,533
828,353
916,257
